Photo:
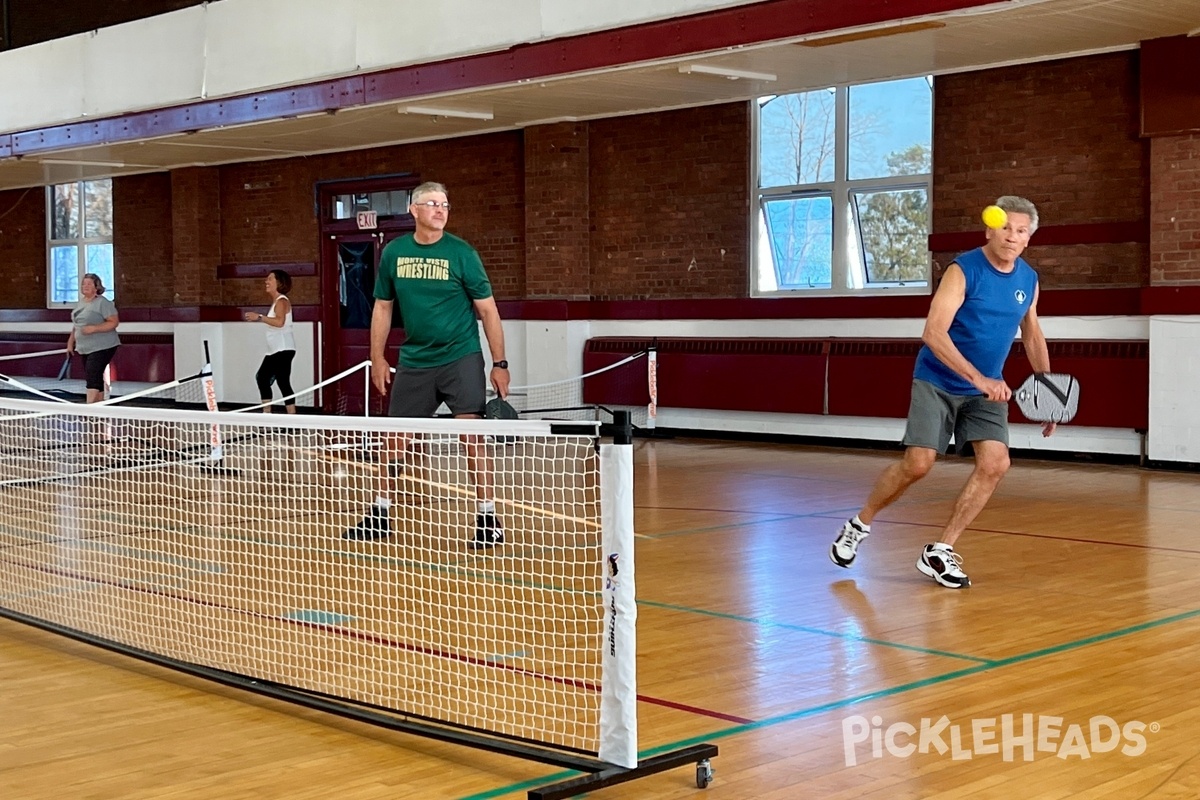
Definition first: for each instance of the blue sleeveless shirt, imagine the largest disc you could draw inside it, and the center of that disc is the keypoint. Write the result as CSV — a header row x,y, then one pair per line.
x,y
985,325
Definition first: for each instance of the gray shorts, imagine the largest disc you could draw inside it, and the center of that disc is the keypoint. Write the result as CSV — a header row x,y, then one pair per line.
x,y
419,392
934,415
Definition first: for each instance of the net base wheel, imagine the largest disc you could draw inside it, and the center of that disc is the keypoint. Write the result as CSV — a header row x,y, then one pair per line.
x,y
704,774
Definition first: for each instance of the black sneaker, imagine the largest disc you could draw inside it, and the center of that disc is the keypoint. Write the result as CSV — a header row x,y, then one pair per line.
x,y
375,525
940,562
488,532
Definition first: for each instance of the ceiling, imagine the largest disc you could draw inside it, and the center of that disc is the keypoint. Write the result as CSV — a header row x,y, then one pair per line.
x,y
953,43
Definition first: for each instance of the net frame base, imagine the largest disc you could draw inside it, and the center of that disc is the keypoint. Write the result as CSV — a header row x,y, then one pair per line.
x,y
599,774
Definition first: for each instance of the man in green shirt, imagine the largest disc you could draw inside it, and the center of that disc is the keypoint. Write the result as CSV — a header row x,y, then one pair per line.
x,y
440,285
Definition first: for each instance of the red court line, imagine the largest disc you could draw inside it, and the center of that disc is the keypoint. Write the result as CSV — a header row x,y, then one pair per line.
x,y
363,636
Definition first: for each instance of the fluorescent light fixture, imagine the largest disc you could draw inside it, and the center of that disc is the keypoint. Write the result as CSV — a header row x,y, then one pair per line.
x,y
726,72
71,162
457,113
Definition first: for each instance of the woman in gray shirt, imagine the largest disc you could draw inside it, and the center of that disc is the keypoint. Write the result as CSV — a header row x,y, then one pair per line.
x,y
94,333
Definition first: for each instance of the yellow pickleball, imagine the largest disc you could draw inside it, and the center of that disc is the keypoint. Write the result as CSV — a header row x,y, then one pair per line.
x,y
995,217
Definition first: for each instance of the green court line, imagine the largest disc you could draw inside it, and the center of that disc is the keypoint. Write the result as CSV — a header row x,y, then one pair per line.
x,y
834,705
770,623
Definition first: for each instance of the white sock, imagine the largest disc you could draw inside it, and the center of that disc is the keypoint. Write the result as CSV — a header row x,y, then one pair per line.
x,y
487,506
860,523
383,502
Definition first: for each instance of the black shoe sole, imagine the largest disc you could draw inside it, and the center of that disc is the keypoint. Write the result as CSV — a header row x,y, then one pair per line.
x,y
484,545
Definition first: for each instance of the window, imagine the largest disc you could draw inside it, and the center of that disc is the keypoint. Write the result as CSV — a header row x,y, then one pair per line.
x,y
79,222
385,204
843,189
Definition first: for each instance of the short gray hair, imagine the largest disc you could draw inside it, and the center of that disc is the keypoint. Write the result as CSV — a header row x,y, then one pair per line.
x,y
1019,205
428,187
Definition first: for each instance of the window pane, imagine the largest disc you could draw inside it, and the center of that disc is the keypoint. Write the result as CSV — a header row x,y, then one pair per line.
x,y
100,261
800,231
341,207
891,128
796,139
400,201
381,203
894,226
64,274
97,210
65,223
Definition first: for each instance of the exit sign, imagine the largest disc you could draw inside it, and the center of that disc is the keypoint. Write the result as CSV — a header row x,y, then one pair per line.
x,y
368,220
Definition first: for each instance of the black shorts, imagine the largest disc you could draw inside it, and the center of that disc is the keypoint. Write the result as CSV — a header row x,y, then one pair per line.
x,y
93,367
459,384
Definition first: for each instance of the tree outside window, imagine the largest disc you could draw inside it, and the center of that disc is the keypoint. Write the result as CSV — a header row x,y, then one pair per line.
x,y
843,189
80,226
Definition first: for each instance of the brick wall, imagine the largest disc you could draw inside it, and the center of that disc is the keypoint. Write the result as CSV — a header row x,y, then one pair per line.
x,y
142,240
669,204
1062,133
1175,210
23,248
665,196
267,211
557,240
196,235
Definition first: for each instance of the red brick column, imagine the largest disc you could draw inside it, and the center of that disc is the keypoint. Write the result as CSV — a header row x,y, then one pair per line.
x,y
1175,210
23,248
196,235
557,238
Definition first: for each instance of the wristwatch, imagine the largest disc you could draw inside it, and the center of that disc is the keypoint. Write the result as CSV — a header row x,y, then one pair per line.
x,y
501,364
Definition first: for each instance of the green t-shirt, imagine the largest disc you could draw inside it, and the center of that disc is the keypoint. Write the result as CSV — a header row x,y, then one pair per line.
x,y
434,286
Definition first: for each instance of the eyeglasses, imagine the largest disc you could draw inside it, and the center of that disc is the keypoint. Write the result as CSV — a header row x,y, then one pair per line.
x,y
432,204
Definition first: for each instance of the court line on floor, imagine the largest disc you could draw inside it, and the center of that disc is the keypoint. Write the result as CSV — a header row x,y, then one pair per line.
x,y
769,623
1046,537
779,517
835,705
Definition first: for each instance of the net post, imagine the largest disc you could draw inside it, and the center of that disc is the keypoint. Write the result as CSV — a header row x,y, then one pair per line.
x,y
652,384
216,459
618,685
622,427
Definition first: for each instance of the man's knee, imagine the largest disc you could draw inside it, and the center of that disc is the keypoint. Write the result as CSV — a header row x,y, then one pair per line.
x,y
991,459
918,461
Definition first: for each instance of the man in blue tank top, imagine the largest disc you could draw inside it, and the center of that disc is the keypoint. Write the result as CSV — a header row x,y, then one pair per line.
x,y
958,390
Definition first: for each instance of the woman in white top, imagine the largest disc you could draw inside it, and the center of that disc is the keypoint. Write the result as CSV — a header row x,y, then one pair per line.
x,y
281,342
94,333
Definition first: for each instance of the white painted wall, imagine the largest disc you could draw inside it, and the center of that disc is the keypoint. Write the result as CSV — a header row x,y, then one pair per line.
x,y
1174,389
241,46
237,350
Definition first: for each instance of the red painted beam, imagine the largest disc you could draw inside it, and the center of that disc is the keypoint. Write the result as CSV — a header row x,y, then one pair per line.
x,y
701,33
711,31
299,269
1086,233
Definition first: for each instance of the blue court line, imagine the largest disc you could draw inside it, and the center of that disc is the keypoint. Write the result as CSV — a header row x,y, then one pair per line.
x,y
770,623
318,617
811,711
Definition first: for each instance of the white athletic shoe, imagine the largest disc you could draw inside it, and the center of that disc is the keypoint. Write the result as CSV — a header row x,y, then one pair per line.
x,y
845,547
940,562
